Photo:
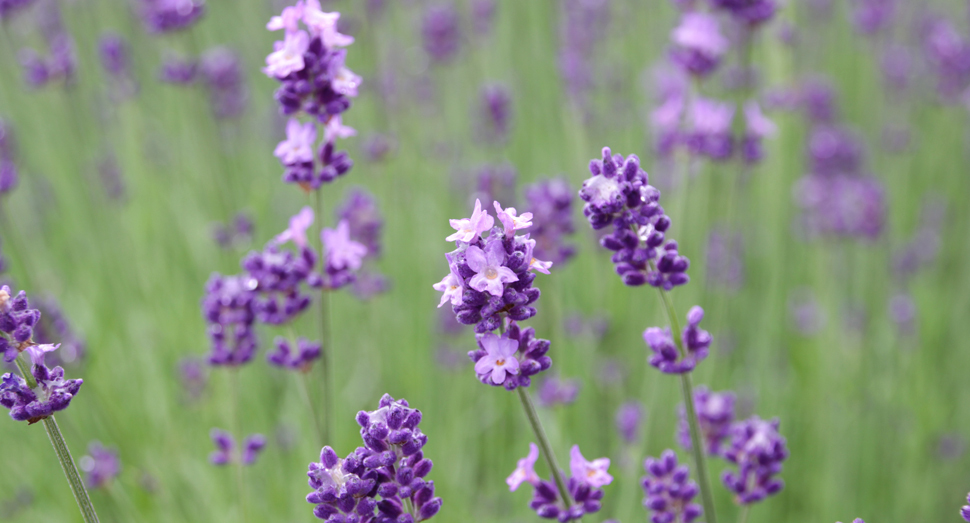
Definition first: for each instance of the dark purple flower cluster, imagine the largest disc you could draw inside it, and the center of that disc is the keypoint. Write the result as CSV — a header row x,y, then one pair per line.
x,y
964,510
715,415
546,502
619,194
749,12
758,450
668,490
551,202
8,169
226,444
228,307
52,394
381,482
100,465
495,112
441,32
278,277
666,354
221,70
300,359
163,16
510,360
17,321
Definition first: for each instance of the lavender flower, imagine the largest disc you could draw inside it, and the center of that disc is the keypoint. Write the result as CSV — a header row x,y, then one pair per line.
x,y
695,342
668,491
628,419
856,520
873,16
343,256
276,278
551,202
17,319
757,128
54,326
114,54
711,131
698,43
100,466
495,110
9,8
222,73
483,16
965,510
164,16
584,485
758,450
225,448
229,308
178,70
377,147
364,219
842,205
384,479
715,415
59,65
618,193
301,359
510,360
441,32
902,312
557,391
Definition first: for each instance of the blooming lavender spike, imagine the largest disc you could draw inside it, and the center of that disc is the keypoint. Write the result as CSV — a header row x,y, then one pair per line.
x,y
694,339
300,359
252,446
343,255
628,419
52,394
668,490
114,53
277,279
758,450
698,43
229,307
100,466
715,414
856,520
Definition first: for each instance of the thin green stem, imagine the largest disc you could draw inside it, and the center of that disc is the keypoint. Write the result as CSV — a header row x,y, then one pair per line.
x,y
743,515
305,391
237,433
325,338
697,448
63,455
530,412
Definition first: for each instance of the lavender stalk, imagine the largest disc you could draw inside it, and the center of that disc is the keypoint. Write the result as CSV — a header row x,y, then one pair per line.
x,y
326,341
530,413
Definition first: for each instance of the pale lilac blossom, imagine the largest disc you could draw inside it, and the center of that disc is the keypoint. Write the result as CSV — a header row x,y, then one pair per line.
x,y
341,251
510,221
490,275
287,56
298,146
593,473
288,19
525,470
324,25
499,359
299,223
335,128
469,228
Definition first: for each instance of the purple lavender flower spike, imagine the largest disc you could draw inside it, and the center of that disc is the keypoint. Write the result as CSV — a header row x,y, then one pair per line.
x,y
551,202
229,307
100,466
224,447
873,16
278,277
619,194
379,481
758,450
628,419
668,490
711,132
725,259
557,391
113,51
495,109
584,486
965,510
252,446
299,223
364,218
297,149
715,415
525,470
300,359
163,16
698,43
441,33
9,8
695,342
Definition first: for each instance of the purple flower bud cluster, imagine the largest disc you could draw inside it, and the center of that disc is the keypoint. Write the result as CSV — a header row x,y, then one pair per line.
x,y
873,16
698,44
619,194
441,32
584,485
8,169
510,360
305,353
225,452
229,308
238,233
164,16
52,394
557,391
115,58
495,112
668,490
551,202
666,355
628,419
381,482
758,450
221,70
277,277
17,322
60,65
948,54
710,131
715,415
752,13
100,465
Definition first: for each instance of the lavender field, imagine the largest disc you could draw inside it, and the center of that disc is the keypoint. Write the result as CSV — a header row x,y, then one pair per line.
x,y
465,260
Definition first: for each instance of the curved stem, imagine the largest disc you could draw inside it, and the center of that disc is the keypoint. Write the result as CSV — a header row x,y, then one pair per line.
x,y
743,515
325,338
697,448
530,412
64,456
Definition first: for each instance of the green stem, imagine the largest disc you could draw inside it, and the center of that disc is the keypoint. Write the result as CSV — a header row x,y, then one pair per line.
x,y
530,412
237,433
325,338
64,456
743,515
305,391
697,448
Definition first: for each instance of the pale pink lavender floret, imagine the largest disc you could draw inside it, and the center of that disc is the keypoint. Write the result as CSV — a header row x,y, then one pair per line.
x,y
758,450
715,415
226,453
511,359
100,466
551,202
372,483
299,358
584,485
619,194
668,490
666,355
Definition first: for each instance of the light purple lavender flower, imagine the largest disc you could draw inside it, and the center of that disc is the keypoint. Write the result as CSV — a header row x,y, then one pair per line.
x,y
221,69
483,16
710,134
341,251
287,56
715,414
873,16
695,342
100,466
593,473
451,286
178,70
628,418
192,376
964,510
289,19
441,32
299,223
162,16
300,359
491,274
757,127
856,520
758,450
225,452
324,25
584,486
510,360
495,110
698,43
470,228
499,361
361,211
298,147
525,470
9,8
557,391
668,490
113,52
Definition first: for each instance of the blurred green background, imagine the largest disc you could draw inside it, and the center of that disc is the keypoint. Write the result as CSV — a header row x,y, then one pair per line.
x,y
872,415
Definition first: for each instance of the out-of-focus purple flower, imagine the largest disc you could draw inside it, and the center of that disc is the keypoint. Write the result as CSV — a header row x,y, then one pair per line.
x,y
470,228
619,194
483,16
100,466
163,16
757,128
923,248
902,312
299,223
715,414
557,391
109,172
377,147
113,51
9,8
440,32
948,52
192,376
698,43
593,473
342,252
551,202
628,418
495,182
950,447
54,327
897,66
873,16
364,219
695,342
277,277
369,284
965,510
758,450
297,149
495,112
842,205
305,353
710,134
725,259
52,392
584,23
225,452
834,150
805,312
752,13
222,73
818,98
178,70
668,490
59,65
